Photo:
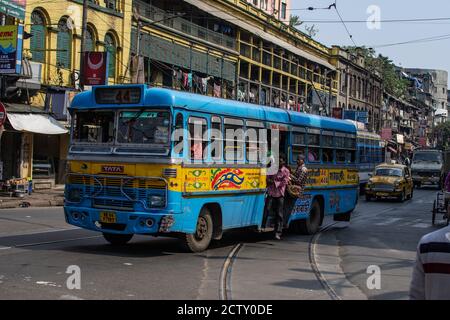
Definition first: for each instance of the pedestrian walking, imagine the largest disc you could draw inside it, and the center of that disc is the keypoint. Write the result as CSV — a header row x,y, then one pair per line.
x,y
431,274
276,187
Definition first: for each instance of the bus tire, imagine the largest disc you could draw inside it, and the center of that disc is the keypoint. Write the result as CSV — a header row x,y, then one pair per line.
x,y
199,240
312,223
343,216
117,239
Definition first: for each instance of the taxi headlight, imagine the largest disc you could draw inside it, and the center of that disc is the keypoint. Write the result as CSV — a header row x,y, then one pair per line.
x,y
157,201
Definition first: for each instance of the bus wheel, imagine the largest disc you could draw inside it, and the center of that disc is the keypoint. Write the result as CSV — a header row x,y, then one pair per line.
x,y
117,239
312,223
201,238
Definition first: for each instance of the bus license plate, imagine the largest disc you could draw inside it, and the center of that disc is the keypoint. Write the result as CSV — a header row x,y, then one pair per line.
x,y
108,217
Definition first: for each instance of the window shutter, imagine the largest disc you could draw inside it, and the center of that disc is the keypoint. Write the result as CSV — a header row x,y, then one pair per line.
x,y
64,42
37,43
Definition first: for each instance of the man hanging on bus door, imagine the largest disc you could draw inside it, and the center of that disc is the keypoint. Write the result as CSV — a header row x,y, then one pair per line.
x,y
276,187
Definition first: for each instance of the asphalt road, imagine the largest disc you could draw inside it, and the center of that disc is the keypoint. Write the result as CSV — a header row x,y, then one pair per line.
x,y
37,247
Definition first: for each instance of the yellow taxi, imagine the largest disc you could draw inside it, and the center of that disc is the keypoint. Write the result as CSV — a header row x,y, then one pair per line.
x,y
390,180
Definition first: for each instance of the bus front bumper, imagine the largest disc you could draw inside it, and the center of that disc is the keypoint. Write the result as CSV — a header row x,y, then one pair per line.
x,y
120,222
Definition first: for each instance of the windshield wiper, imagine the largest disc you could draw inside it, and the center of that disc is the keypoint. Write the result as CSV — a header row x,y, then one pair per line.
x,y
134,118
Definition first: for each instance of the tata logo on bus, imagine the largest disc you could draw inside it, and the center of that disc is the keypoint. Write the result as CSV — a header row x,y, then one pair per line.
x,y
227,179
113,169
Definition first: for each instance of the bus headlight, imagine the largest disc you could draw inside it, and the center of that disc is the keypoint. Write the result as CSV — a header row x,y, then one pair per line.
x,y
157,201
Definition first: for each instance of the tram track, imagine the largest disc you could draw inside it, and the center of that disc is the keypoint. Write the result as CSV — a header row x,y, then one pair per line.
x,y
225,273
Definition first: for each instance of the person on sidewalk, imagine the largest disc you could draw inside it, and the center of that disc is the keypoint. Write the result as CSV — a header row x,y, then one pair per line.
x,y
431,273
276,187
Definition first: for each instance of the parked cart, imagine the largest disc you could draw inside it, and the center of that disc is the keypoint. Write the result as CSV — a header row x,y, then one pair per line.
x,y
441,205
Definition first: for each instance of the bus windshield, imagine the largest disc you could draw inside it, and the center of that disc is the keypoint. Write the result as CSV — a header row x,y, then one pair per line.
x,y
94,127
143,127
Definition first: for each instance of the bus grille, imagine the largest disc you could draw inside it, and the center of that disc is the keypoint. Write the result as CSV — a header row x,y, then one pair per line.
x,y
116,192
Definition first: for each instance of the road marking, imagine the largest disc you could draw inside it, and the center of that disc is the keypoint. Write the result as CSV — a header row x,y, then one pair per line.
x,y
70,297
5,248
388,221
51,242
421,225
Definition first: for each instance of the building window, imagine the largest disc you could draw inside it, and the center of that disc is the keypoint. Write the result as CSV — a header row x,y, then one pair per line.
x,y
110,4
37,41
90,40
283,10
64,45
111,48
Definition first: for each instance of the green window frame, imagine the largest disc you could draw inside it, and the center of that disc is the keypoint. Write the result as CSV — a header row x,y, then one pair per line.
x,y
64,45
37,41
111,49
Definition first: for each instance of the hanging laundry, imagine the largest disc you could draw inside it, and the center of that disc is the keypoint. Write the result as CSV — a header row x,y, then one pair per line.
x,y
217,90
204,85
185,80
190,80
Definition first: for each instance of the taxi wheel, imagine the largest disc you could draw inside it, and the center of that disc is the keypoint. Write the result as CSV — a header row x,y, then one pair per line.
x,y
368,197
411,194
402,197
201,238
117,239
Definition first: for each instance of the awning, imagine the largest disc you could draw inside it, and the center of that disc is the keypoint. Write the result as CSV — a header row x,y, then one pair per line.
x,y
36,123
264,35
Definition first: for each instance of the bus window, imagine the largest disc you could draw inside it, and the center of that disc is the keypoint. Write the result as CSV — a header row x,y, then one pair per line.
x,y
144,127
298,144
253,145
327,146
313,145
340,156
216,138
197,138
179,125
234,139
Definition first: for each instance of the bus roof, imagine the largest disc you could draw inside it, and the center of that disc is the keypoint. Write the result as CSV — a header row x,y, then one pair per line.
x,y
158,97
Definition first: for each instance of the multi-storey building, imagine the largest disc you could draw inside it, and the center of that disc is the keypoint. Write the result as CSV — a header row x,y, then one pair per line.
x,y
359,88
232,49
433,82
53,50
277,8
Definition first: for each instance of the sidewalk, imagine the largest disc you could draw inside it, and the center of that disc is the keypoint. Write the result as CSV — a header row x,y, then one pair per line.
x,y
39,198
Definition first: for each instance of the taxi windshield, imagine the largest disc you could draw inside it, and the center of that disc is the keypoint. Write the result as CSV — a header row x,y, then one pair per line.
x,y
389,172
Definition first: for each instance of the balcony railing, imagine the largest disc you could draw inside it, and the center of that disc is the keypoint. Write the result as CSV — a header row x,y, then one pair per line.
x,y
156,14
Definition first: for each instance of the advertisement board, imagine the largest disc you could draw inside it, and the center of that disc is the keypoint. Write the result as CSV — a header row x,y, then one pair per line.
x,y
11,38
95,68
13,8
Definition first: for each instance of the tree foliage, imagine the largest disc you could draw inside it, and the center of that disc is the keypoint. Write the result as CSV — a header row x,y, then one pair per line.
x,y
393,81
442,134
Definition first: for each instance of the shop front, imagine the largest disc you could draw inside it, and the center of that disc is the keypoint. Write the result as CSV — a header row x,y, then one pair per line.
x,y
29,147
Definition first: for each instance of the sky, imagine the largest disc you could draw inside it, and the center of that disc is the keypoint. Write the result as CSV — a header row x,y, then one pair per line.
x,y
428,55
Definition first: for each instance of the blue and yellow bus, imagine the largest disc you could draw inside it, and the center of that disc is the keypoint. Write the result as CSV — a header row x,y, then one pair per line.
x,y
127,174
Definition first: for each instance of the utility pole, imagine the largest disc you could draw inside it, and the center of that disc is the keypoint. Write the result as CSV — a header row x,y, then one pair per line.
x,y
83,40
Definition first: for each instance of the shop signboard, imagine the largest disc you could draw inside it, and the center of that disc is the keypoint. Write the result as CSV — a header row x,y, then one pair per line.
x,y
95,68
13,8
11,40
